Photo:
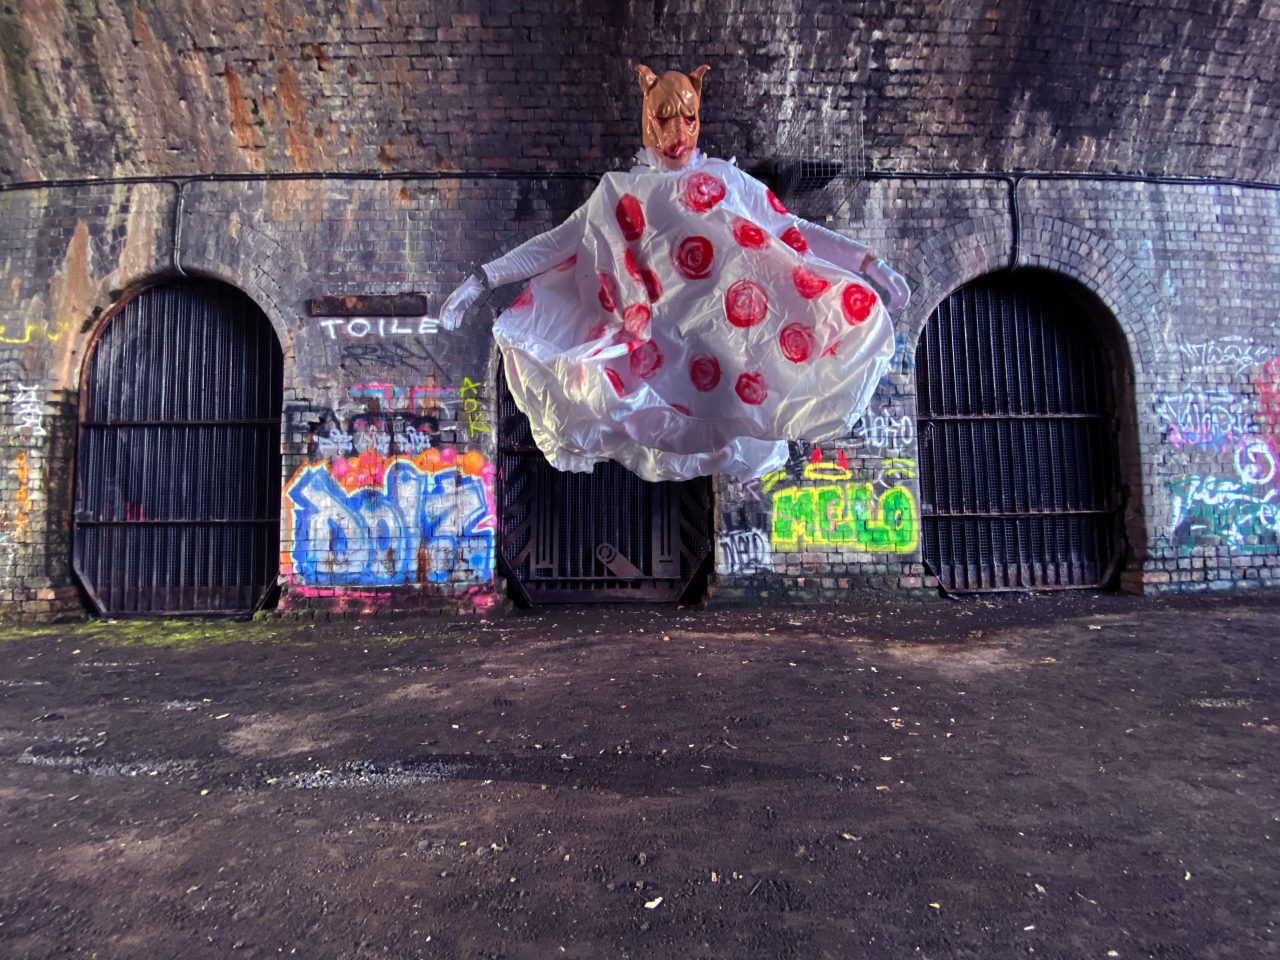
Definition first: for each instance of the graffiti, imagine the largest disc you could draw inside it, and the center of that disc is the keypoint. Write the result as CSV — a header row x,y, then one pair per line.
x,y
471,407
384,436
905,353
819,469
29,410
903,362
848,515
22,498
376,521
837,512
747,491
1243,513
895,468
884,430
1255,461
1206,418
1242,516
745,552
419,399
388,396
51,336
390,353
1268,384
1238,353
357,328
16,523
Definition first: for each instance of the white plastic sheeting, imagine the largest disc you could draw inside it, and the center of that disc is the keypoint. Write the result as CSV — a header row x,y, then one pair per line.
x,y
684,323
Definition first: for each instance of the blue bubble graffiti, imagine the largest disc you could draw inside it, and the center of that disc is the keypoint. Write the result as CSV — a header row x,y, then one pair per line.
x,y
417,526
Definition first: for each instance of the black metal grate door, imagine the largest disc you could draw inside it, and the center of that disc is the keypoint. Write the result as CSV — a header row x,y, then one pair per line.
x,y
178,463
1018,464
604,536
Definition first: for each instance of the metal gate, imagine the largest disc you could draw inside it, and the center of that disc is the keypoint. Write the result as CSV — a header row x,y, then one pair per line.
x,y
596,537
178,460
1018,459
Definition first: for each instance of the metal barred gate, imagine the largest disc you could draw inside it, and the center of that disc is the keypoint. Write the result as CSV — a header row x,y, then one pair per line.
x,y
178,459
1019,473
604,536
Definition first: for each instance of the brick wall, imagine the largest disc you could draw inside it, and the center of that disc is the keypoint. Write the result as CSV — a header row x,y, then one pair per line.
x,y
1140,86
1185,274
1188,285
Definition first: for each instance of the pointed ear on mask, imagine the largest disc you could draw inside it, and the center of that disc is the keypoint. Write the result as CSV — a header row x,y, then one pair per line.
x,y
647,78
695,77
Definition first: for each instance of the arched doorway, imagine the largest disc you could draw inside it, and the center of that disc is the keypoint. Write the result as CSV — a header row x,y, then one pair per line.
x,y
598,537
1019,471
178,457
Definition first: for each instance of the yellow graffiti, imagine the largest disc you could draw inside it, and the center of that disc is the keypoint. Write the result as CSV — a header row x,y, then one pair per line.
x,y
471,406
26,337
898,467
846,515
825,470
771,480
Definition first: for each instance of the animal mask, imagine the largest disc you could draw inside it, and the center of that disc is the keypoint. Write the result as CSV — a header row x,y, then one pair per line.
x,y
671,123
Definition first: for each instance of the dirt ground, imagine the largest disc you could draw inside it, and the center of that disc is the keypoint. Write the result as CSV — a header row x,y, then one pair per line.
x,y
1063,776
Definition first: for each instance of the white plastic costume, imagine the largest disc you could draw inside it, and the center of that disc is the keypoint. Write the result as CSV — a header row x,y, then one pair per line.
x,y
683,323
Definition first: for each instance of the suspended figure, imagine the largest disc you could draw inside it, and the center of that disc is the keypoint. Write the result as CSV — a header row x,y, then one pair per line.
x,y
682,321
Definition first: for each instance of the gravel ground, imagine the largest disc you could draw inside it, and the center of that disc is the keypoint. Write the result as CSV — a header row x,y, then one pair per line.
x,y
1077,775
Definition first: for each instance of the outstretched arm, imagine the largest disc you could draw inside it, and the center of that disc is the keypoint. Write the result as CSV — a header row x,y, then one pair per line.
x,y
533,257
538,254
835,247
859,258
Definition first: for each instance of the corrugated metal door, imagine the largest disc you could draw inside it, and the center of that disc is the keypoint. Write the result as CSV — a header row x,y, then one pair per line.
x,y
178,462
1018,461
604,536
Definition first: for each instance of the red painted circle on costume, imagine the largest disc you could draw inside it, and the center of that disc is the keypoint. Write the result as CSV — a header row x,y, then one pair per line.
x,y
704,371
794,239
681,408
776,203
609,292
857,301
751,388
702,191
635,320
630,217
524,300
808,284
596,332
745,303
797,341
749,235
646,360
831,350
652,285
615,380
693,257
568,264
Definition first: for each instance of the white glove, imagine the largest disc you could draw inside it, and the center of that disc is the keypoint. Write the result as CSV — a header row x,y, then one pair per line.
x,y
890,282
459,302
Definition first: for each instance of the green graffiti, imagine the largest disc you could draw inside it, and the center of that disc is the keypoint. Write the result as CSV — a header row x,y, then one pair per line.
x,y
848,515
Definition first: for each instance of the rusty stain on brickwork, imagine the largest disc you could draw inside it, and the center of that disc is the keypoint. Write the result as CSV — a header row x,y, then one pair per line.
x,y
71,290
322,57
241,116
142,231
297,132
